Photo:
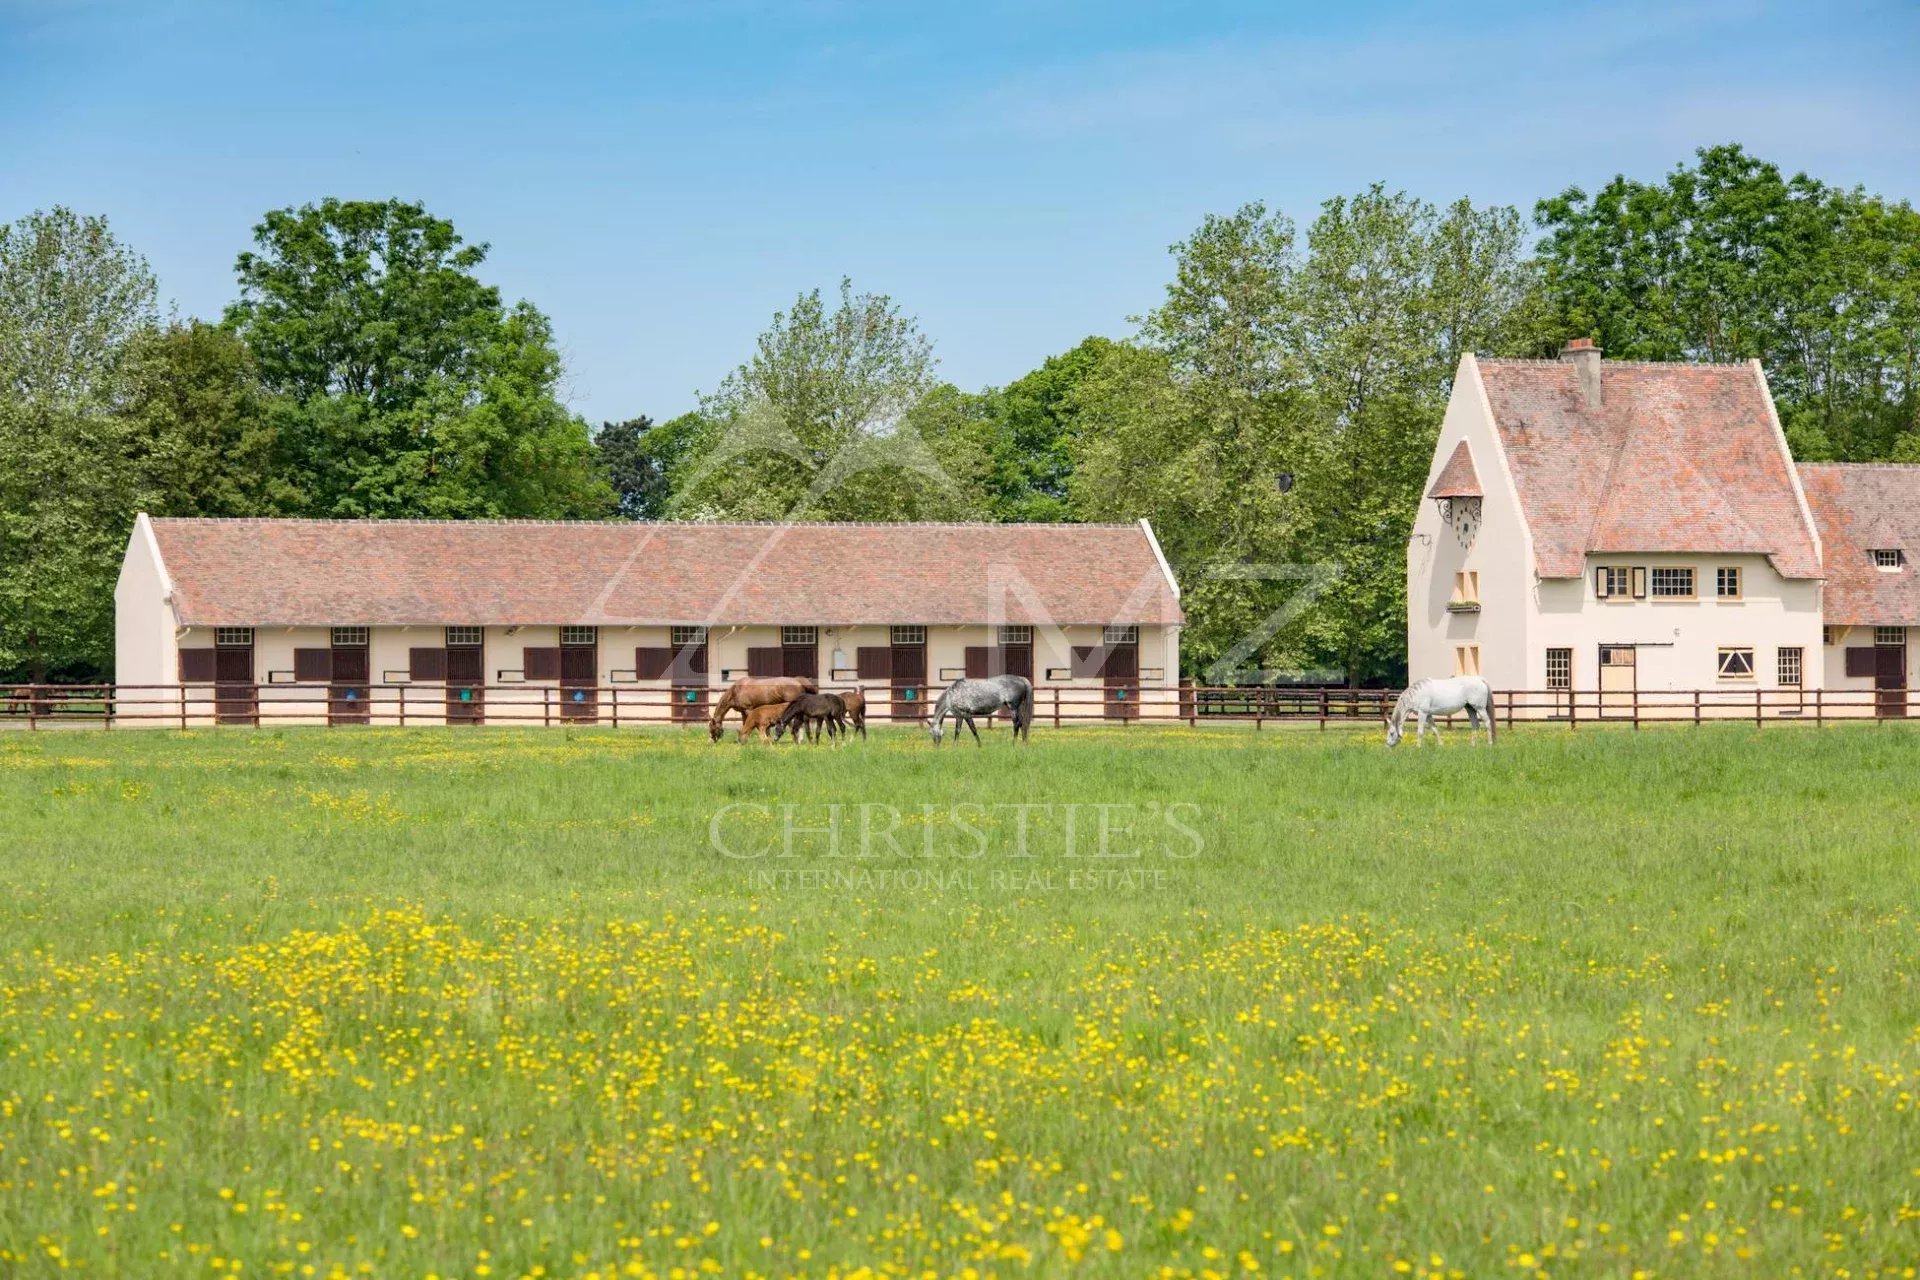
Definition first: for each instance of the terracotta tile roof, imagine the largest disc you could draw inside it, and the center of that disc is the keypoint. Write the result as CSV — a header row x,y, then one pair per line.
x,y
372,572
1457,479
1862,507
1678,457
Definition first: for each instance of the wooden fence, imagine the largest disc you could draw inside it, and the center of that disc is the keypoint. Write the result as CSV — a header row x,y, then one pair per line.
x,y
624,706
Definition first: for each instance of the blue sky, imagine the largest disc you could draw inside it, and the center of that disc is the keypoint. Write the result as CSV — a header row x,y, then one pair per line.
x,y
660,177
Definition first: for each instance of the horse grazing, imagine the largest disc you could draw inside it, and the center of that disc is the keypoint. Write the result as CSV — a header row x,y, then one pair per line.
x,y
760,719
749,692
808,713
965,699
1430,698
856,705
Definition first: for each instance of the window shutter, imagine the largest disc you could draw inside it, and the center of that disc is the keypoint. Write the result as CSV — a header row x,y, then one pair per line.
x,y
313,666
873,662
763,661
196,666
1639,582
1600,582
652,664
1860,661
426,664
1088,659
540,663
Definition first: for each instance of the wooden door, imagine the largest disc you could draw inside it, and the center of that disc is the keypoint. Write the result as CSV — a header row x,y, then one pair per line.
x,y
234,692
1120,678
1890,680
1619,676
466,681
351,690
800,660
688,675
580,682
908,664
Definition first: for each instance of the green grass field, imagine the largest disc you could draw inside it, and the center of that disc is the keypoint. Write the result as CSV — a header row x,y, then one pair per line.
x,y
492,1003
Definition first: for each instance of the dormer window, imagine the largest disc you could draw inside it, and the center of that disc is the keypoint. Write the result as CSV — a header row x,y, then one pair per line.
x,y
1889,559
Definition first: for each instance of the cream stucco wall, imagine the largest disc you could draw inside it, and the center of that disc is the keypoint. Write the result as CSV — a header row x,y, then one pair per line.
x,y
1498,547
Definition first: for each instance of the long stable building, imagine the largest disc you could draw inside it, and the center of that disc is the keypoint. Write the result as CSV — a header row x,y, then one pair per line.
x,y
362,621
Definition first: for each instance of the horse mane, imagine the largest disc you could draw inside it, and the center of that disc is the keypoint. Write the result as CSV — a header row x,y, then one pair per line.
x,y
1401,703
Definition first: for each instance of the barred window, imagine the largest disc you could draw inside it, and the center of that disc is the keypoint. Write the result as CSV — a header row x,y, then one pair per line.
x,y
908,635
233,637
349,637
1736,664
1673,583
799,635
463,637
1016,635
1726,582
1559,668
1789,667
1889,635
1889,558
579,635
686,635
1120,635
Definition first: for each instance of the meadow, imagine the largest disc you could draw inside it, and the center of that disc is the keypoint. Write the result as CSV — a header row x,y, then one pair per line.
x,y
1121,1003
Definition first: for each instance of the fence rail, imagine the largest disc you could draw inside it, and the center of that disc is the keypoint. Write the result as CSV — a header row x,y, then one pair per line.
x,y
621,706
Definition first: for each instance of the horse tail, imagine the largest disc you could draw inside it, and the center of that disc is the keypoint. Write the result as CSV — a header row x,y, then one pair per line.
x,y
1489,711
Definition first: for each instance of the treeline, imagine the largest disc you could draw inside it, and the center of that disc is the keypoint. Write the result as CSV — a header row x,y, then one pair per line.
x,y
1273,416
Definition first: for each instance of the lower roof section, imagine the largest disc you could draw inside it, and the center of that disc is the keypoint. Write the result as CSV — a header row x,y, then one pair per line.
x,y
522,573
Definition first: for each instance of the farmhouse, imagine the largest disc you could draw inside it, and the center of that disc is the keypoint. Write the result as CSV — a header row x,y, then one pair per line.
x,y
462,621
1626,529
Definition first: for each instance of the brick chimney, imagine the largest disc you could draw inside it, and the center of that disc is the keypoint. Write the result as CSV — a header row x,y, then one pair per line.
x,y
1585,358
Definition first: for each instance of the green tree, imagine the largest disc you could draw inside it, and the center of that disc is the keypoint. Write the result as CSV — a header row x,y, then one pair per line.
x,y
828,420
201,423
404,387
1730,259
71,299
1030,451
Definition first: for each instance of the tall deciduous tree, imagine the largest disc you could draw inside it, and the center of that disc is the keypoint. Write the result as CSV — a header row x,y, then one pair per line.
x,y
407,388
71,298
200,421
1730,259
821,422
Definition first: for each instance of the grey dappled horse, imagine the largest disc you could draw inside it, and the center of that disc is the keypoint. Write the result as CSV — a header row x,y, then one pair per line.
x,y
965,699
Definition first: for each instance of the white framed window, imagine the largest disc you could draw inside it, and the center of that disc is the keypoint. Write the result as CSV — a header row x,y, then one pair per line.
x,y
1736,664
1889,635
1889,558
1559,668
1016,635
907,635
233,637
799,635
1120,635
463,637
1788,665
1610,582
678,636
579,635
349,637
1726,582
1673,584
1466,660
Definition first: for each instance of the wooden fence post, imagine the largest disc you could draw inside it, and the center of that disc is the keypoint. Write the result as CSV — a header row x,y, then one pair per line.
x,y
1819,708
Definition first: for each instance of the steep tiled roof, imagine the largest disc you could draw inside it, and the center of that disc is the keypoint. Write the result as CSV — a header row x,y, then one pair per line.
x,y
1457,479
1677,457
1860,508
366,572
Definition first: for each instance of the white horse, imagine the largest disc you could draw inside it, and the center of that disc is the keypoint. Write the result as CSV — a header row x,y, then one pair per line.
x,y
1430,698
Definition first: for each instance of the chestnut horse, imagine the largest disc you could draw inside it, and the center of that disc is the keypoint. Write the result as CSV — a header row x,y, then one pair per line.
x,y
856,703
749,692
760,719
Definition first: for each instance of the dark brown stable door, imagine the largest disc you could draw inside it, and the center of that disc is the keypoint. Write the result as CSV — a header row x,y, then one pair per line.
x,y
466,680
1120,675
579,682
351,690
1890,680
800,660
234,693
908,664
